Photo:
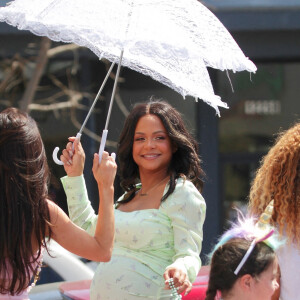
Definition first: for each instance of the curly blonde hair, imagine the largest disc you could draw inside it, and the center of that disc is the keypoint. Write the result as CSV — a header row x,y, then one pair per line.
x,y
278,178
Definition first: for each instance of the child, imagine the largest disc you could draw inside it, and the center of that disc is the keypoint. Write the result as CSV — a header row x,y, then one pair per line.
x,y
243,265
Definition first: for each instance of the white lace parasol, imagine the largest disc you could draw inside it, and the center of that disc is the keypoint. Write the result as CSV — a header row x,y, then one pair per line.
x,y
171,41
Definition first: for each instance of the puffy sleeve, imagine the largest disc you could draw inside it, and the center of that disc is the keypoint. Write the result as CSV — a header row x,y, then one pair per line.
x,y
186,209
81,211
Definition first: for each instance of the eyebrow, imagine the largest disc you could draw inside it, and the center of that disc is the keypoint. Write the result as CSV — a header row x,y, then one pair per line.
x,y
155,132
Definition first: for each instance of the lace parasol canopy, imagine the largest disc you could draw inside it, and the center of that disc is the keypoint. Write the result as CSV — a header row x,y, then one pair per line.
x,y
172,41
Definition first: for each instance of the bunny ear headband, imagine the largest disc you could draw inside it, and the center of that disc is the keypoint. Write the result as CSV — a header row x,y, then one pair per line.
x,y
247,228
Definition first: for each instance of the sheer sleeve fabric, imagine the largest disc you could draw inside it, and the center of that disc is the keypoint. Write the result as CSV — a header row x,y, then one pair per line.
x,y
186,209
81,211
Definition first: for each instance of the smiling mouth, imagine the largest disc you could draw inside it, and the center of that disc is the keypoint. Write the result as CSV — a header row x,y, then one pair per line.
x,y
150,156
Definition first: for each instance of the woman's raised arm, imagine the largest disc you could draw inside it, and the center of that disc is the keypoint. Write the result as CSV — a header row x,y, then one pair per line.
x,y
72,237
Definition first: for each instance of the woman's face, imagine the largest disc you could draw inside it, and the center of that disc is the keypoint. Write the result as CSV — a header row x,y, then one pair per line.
x,y
152,147
266,284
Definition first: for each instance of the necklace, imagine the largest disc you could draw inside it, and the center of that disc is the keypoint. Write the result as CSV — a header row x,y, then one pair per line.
x,y
146,193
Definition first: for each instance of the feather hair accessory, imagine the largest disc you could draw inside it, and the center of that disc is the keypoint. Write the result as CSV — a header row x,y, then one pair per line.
x,y
250,229
263,233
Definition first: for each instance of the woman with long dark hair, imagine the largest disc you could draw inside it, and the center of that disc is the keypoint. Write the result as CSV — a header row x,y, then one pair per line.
x,y
28,218
159,218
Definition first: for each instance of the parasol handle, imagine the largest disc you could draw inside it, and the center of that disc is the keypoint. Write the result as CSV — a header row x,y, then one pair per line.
x,y
102,144
55,151
105,131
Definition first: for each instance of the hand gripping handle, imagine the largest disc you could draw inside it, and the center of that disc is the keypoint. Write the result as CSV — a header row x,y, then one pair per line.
x,y
102,144
55,151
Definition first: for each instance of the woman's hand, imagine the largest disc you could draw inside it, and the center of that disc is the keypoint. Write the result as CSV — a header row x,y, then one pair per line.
x,y
105,171
180,279
73,162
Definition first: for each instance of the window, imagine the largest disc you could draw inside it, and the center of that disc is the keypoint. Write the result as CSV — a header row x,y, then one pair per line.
x,y
262,104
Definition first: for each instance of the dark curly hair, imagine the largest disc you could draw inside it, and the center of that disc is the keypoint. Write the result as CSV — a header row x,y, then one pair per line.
x,y
185,161
228,256
24,213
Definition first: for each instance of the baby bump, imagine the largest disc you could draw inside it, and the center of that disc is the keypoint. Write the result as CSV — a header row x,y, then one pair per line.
x,y
125,278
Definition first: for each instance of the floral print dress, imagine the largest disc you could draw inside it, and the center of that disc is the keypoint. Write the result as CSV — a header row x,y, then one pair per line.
x,y
146,241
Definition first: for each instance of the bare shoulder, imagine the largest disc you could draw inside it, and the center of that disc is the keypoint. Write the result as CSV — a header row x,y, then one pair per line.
x,y
55,212
53,208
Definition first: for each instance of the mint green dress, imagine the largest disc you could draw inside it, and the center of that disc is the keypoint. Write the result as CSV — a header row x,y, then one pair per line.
x,y
146,241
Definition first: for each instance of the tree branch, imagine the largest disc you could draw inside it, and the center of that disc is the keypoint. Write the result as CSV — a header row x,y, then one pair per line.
x,y
35,79
61,49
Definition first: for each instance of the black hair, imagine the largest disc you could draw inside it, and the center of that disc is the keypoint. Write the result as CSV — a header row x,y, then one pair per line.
x,y
185,161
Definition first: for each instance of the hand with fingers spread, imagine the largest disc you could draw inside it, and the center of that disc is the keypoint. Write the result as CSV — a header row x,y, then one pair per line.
x,y
73,160
180,280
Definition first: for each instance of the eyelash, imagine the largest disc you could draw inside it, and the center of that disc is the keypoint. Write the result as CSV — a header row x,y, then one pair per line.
x,y
156,138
